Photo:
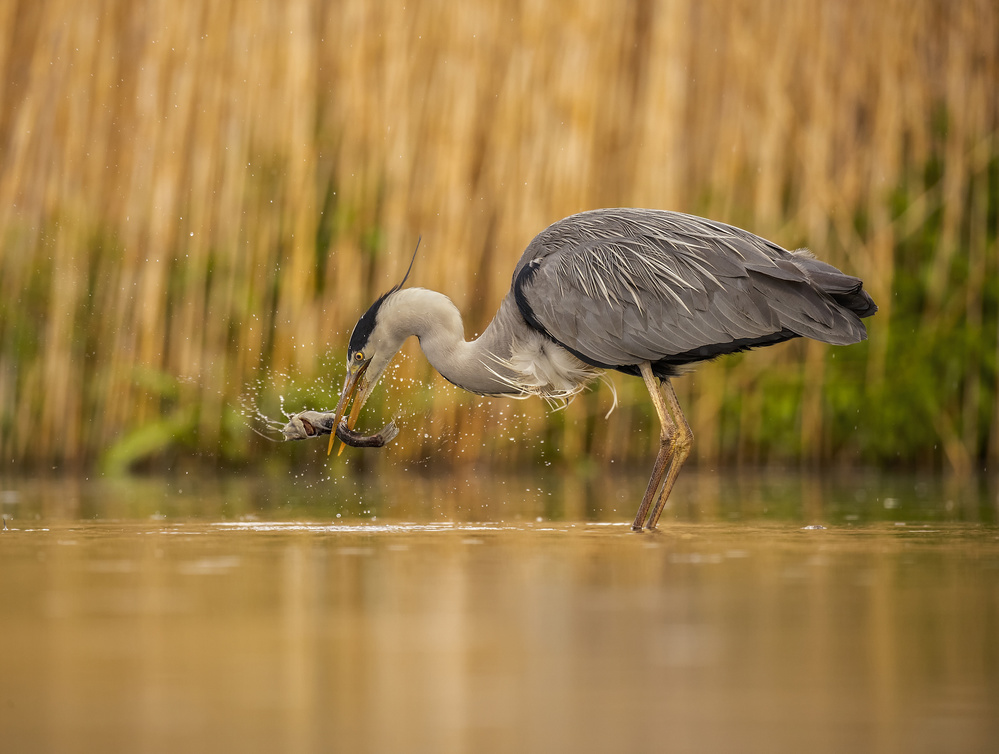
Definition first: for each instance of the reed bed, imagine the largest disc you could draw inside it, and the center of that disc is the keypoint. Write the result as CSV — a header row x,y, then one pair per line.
x,y
199,197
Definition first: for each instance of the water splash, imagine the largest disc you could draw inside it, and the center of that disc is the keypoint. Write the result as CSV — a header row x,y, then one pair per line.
x,y
288,391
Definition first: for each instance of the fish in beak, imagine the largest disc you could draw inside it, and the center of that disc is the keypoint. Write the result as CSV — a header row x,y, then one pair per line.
x,y
356,389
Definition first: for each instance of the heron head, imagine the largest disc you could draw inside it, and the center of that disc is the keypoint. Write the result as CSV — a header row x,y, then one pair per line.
x,y
373,342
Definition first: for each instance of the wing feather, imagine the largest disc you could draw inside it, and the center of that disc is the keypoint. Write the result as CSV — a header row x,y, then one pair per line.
x,y
618,287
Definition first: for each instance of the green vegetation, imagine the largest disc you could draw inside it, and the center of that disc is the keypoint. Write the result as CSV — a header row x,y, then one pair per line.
x,y
196,199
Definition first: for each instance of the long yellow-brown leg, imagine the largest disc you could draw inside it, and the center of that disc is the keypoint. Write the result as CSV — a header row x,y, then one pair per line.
x,y
668,430
683,438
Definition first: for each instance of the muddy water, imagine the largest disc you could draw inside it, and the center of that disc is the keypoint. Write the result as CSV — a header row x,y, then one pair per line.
x,y
498,614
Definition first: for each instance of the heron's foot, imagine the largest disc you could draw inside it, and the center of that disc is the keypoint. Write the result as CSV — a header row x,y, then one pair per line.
x,y
646,528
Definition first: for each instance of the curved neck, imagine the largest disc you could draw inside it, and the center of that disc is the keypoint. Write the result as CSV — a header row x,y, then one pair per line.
x,y
476,366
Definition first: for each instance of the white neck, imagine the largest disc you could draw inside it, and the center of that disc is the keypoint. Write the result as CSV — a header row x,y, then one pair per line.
x,y
476,366
509,358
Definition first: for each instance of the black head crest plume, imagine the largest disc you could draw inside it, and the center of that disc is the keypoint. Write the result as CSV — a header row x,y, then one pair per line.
x,y
411,262
366,323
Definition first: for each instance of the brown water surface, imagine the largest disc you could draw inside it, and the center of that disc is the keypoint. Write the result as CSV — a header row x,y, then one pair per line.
x,y
499,614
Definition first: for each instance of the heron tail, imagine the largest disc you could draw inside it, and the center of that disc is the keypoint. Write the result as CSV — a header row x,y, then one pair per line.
x,y
845,290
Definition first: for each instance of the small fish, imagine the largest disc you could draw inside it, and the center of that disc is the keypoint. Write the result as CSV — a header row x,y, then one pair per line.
x,y
308,424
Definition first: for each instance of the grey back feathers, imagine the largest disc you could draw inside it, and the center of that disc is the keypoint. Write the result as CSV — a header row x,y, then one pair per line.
x,y
617,287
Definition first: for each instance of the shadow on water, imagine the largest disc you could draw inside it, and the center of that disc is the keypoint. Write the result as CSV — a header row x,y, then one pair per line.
x,y
476,612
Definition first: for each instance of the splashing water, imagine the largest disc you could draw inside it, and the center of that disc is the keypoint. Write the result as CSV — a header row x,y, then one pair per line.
x,y
294,394
289,392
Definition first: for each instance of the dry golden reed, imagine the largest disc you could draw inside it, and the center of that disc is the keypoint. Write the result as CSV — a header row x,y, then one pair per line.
x,y
197,195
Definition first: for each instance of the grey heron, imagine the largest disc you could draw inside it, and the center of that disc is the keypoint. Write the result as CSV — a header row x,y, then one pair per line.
x,y
644,292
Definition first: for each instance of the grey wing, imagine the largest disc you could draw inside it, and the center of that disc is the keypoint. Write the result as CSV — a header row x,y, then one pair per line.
x,y
627,286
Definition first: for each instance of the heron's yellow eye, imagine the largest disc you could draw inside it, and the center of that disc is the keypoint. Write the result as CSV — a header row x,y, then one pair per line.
x,y
359,357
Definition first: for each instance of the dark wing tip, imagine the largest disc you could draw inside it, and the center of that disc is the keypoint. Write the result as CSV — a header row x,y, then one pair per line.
x,y
846,290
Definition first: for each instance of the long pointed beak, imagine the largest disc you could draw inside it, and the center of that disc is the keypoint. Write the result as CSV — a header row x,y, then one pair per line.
x,y
350,386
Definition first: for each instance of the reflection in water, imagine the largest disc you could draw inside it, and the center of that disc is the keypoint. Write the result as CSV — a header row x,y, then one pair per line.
x,y
702,495
151,618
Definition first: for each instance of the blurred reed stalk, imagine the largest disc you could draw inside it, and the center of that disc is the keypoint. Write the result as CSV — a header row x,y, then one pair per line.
x,y
194,196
